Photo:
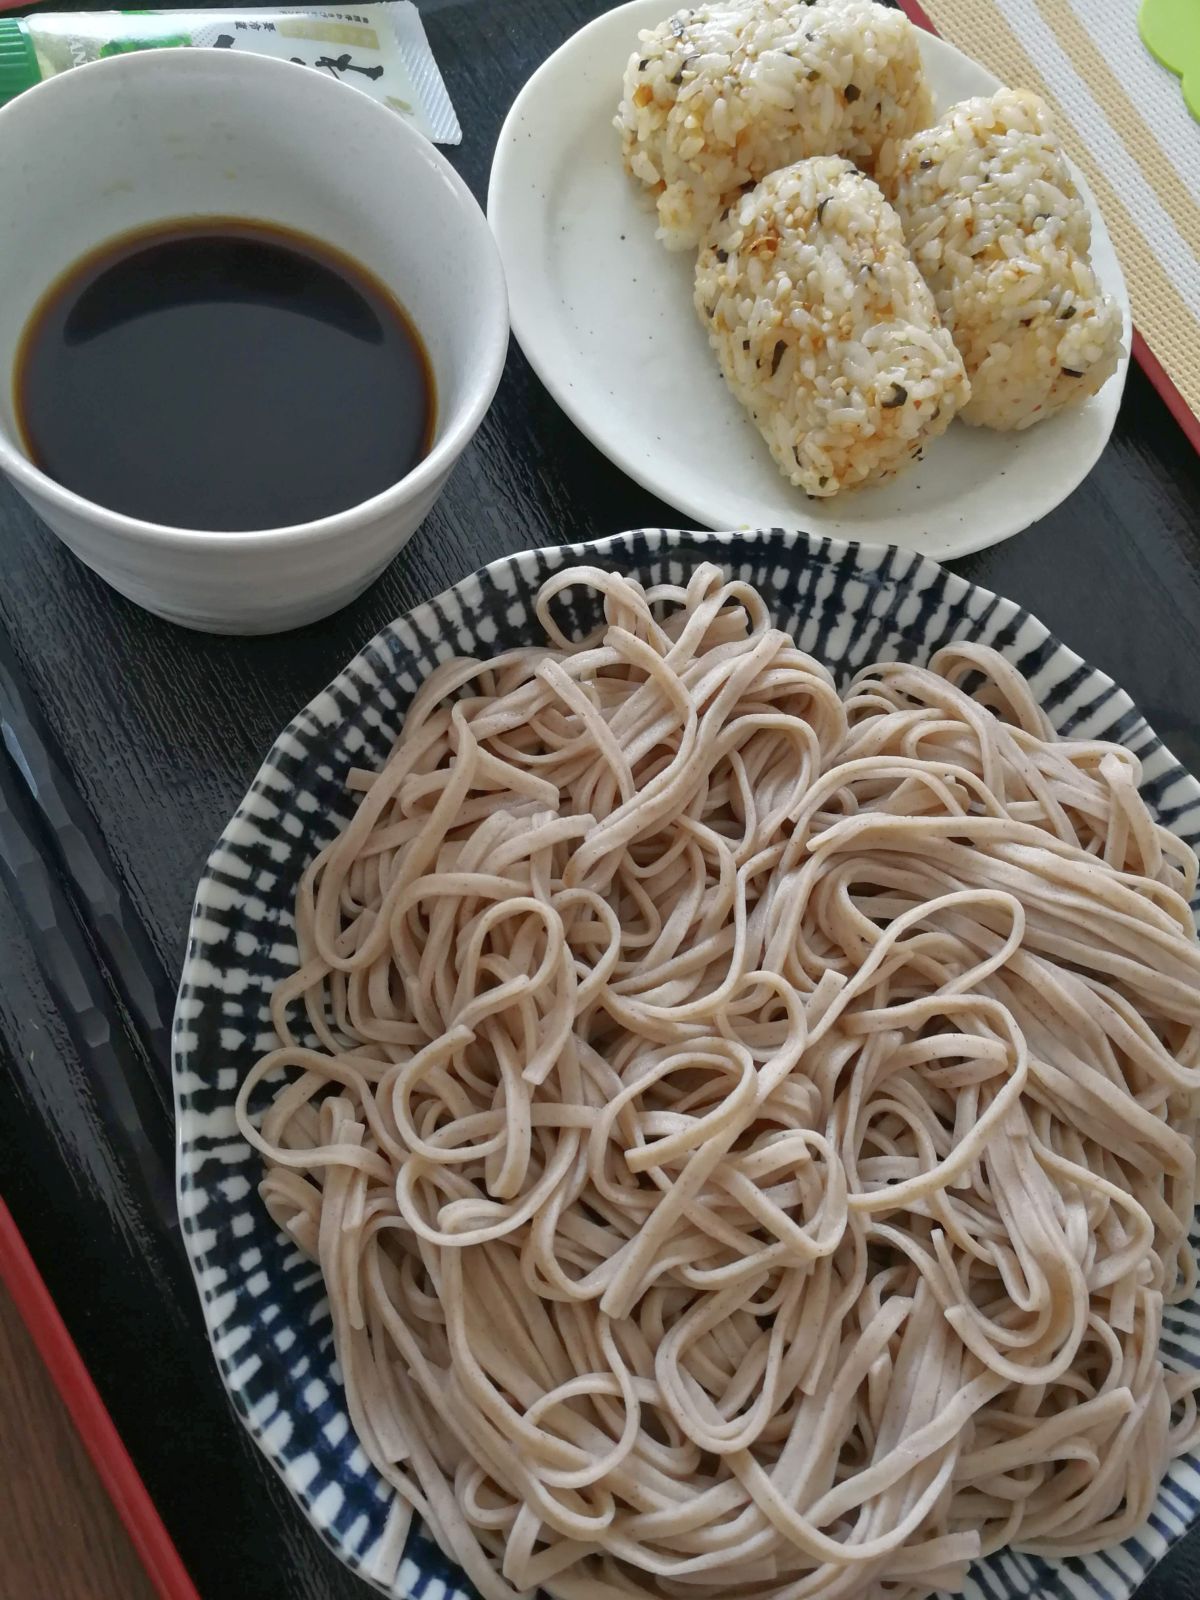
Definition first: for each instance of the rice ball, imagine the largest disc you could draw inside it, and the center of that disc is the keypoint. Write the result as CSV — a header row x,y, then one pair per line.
x,y
719,96
824,328
1002,237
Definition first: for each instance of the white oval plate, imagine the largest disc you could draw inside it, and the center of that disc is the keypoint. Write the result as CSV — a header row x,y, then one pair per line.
x,y
604,315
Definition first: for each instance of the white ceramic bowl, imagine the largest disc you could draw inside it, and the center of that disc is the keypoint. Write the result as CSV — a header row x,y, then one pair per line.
x,y
146,137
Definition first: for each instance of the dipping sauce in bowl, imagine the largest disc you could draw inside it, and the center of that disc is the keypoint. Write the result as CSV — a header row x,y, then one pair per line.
x,y
224,408
223,373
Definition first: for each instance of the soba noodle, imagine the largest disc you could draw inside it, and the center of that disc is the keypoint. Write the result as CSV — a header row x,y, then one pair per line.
x,y
747,1134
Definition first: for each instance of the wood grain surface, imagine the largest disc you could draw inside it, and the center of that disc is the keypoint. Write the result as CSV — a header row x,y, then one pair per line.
x,y
159,731
62,1539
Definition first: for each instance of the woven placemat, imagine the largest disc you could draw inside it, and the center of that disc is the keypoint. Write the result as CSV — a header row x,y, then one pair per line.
x,y
1123,119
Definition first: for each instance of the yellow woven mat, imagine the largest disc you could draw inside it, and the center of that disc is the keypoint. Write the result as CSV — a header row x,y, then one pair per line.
x,y
1123,119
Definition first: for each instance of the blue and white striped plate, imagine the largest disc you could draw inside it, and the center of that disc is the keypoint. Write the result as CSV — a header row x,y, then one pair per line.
x,y
263,1301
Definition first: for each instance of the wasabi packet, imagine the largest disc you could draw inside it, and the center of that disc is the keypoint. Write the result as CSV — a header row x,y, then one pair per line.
x,y
379,48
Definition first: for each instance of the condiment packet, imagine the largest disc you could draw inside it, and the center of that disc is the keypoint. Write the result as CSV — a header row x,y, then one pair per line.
x,y
380,48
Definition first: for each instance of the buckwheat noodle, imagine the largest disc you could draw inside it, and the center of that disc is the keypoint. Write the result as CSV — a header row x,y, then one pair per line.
x,y
747,1134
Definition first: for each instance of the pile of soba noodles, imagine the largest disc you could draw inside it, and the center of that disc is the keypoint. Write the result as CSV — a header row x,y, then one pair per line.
x,y
748,1133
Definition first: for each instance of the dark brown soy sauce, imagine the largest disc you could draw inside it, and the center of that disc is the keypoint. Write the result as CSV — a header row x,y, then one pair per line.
x,y
223,374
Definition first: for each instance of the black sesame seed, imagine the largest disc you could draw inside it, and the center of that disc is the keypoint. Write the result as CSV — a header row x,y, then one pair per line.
x,y
821,204
897,397
852,92
643,63
780,347
745,344
721,255
926,163
1065,316
821,482
1071,372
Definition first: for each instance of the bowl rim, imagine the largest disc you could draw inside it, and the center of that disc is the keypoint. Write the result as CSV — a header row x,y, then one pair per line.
x,y
482,375
1079,694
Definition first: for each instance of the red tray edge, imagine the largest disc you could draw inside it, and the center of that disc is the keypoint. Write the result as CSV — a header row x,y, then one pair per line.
x,y
95,1427
1142,353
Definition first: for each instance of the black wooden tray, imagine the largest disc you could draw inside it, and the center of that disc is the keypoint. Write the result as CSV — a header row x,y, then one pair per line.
x,y
130,741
